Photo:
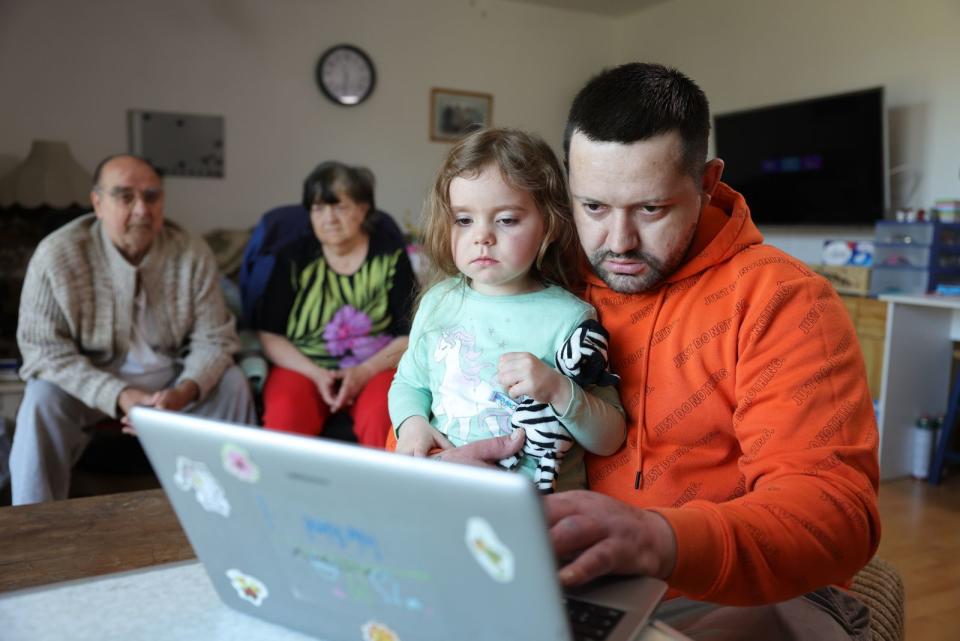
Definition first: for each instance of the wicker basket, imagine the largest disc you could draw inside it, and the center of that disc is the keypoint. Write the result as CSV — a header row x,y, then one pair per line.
x,y
880,587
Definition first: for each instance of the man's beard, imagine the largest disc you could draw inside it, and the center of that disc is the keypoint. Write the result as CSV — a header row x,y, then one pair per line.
x,y
655,273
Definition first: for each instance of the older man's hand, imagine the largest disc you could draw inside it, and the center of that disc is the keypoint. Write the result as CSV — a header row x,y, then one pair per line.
x,y
130,397
172,398
594,535
176,398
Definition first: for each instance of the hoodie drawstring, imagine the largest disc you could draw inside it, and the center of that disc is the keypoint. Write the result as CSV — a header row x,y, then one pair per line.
x,y
645,368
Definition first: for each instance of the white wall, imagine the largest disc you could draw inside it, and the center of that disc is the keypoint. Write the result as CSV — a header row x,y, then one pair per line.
x,y
70,70
746,53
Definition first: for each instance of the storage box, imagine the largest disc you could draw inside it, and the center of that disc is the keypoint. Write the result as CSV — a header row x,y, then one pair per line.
x,y
947,210
846,279
909,281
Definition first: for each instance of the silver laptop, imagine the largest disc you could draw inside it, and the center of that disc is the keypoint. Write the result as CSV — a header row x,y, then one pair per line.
x,y
344,542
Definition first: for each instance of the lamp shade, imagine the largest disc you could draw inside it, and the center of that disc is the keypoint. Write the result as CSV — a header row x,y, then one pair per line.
x,y
49,176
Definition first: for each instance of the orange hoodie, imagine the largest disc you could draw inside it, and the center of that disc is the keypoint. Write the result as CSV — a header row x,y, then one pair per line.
x,y
750,425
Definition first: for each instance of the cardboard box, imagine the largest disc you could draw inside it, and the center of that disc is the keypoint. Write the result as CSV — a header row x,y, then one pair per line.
x,y
846,279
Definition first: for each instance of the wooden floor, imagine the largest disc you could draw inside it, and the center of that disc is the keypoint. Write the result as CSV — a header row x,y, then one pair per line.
x,y
921,538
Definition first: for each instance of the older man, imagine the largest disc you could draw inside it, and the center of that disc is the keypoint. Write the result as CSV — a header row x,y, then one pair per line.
x,y
119,308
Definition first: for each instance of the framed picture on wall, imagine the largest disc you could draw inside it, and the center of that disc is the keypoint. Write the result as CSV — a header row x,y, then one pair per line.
x,y
178,144
454,113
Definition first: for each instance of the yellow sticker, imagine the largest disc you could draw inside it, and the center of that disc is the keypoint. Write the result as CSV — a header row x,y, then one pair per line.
x,y
373,631
248,588
492,555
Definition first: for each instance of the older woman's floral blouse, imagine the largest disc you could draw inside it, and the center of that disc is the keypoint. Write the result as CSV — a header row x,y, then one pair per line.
x,y
339,320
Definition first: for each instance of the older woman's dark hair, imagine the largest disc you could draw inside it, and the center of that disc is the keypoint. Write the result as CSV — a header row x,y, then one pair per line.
x,y
330,179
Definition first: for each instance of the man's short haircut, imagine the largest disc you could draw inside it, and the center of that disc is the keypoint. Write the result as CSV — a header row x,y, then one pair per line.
x,y
638,101
103,163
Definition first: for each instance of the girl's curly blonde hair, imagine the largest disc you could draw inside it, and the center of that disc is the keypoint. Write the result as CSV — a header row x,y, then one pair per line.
x,y
526,162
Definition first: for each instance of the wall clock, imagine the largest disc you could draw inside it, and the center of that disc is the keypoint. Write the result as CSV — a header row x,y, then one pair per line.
x,y
345,75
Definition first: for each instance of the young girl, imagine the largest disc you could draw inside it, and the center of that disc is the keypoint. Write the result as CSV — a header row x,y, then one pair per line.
x,y
500,238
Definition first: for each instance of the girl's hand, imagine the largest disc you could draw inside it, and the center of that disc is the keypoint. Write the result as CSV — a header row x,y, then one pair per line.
x,y
523,374
417,437
352,380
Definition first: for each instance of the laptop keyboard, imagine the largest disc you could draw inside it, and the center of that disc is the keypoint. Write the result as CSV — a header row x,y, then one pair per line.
x,y
589,621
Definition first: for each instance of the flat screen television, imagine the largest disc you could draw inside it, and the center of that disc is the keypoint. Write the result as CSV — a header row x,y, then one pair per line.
x,y
814,162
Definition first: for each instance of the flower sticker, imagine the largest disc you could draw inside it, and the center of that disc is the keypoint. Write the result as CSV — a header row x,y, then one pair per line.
x,y
195,476
373,631
248,588
237,462
492,555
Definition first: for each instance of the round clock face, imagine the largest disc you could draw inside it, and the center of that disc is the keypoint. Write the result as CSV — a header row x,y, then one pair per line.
x,y
346,75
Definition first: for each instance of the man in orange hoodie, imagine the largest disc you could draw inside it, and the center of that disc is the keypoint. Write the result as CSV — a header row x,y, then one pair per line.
x,y
750,472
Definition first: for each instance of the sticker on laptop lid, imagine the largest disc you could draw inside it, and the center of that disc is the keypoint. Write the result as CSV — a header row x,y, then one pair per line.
x,y
248,588
492,555
237,462
196,476
374,631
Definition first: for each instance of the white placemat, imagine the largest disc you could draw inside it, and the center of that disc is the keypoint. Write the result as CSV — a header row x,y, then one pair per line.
x,y
167,602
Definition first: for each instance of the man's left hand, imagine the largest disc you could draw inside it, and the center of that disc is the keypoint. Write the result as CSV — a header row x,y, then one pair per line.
x,y
594,535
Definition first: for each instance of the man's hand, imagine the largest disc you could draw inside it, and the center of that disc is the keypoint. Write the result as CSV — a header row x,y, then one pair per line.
x,y
172,398
523,374
176,398
352,380
595,535
129,397
485,453
418,438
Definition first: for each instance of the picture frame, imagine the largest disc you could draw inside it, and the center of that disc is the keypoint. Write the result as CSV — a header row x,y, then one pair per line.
x,y
454,112
178,144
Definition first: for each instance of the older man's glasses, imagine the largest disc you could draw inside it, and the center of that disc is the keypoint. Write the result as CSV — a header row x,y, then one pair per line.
x,y
127,196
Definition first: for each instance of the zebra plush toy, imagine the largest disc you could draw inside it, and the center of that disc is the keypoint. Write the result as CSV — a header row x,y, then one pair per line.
x,y
583,358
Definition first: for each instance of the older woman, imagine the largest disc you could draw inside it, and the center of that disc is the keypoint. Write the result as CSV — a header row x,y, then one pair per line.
x,y
335,317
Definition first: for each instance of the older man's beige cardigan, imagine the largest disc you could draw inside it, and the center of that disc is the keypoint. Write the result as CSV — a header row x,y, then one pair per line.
x,y
77,304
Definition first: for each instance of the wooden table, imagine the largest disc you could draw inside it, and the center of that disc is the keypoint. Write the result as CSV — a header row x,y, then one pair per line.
x,y
64,540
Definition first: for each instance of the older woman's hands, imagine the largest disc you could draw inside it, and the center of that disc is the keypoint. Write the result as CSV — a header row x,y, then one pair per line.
x,y
326,382
352,380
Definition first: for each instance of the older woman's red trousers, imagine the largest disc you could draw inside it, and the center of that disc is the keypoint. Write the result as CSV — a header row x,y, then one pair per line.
x,y
291,403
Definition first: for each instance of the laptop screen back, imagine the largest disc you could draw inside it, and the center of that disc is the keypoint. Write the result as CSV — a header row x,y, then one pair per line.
x,y
345,542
